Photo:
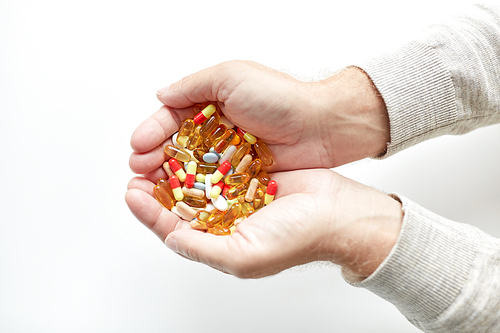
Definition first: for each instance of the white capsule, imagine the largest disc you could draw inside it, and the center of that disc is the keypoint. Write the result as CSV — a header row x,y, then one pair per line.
x,y
220,203
208,185
228,154
176,211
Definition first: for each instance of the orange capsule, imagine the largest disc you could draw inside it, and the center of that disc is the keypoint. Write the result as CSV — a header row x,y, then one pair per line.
x,y
263,177
214,219
258,199
236,191
231,215
163,196
247,209
240,153
195,202
195,139
177,153
254,168
185,132
264,153
214,136
219,230
209,126
237,178
224,141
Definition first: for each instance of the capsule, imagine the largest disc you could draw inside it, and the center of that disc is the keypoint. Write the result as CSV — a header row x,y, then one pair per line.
x,y
204,114
254,168
198,225
195,202
221,171
247,209
165,185
216,189
190,174
214,136
224,141
208,185
258,199
176,188
219,230
272,187
167,169
231,215
263,177
185,132
206,168
163,197
193,192
195,139
247,136
238,155
236,191
237,178
209,126
264,153
185,210
214,219
252,188
244,163
177,153
177,169
228,154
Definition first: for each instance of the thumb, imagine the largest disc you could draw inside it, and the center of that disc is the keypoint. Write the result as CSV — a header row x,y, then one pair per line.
x,y
208,85
201,247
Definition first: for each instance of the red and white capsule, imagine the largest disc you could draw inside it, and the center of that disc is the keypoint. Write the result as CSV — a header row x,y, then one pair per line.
x,y
176,187
221,171
204,114
272,187
190,174
177,169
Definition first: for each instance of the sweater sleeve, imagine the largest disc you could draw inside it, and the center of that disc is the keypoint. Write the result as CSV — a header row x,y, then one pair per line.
x,y
445,82
442,275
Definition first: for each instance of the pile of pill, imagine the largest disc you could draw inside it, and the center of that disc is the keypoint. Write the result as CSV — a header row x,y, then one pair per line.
x,y
215,175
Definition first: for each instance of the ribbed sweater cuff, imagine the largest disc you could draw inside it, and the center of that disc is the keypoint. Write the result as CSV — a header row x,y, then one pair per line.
x,y
418,92
428,266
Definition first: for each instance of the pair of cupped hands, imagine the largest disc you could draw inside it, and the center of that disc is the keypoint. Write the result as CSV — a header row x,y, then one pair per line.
x,y
317,214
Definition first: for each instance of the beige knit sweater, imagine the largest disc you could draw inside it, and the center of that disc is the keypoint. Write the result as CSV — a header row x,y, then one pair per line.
x,y
442,275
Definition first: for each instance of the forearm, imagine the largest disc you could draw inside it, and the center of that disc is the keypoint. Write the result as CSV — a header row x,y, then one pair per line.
x,y
445,82
442,275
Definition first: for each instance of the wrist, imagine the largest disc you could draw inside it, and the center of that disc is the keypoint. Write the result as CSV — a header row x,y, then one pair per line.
x,y
358,122
372,225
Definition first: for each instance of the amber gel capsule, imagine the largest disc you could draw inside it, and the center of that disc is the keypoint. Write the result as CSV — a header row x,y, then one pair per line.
x,y
214,136
177,153
264,153
237,178
185,132
224,141
163,197
231,215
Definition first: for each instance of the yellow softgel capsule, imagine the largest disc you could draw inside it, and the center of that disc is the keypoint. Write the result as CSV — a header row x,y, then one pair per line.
x,y
177,153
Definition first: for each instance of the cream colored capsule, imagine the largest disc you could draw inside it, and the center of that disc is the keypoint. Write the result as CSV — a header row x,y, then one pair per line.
x,y
244,164
177,212
193,192
254,184
167,169
185,210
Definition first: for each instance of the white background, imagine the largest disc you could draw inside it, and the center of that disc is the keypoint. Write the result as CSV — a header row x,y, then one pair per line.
x,y
76,78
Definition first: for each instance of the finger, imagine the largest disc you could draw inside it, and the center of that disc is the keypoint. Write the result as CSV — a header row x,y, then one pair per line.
x,y
210,84
157,128
149,211
147,162
142,184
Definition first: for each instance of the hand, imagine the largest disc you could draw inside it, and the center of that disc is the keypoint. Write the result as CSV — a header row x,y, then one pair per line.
x,y
306,125
316,215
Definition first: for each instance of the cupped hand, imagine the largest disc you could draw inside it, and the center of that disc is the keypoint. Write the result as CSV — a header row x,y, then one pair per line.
x,y
305,124
316,215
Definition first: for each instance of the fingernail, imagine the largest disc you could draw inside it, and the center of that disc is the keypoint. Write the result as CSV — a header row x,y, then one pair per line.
x,y
171,243
162,91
